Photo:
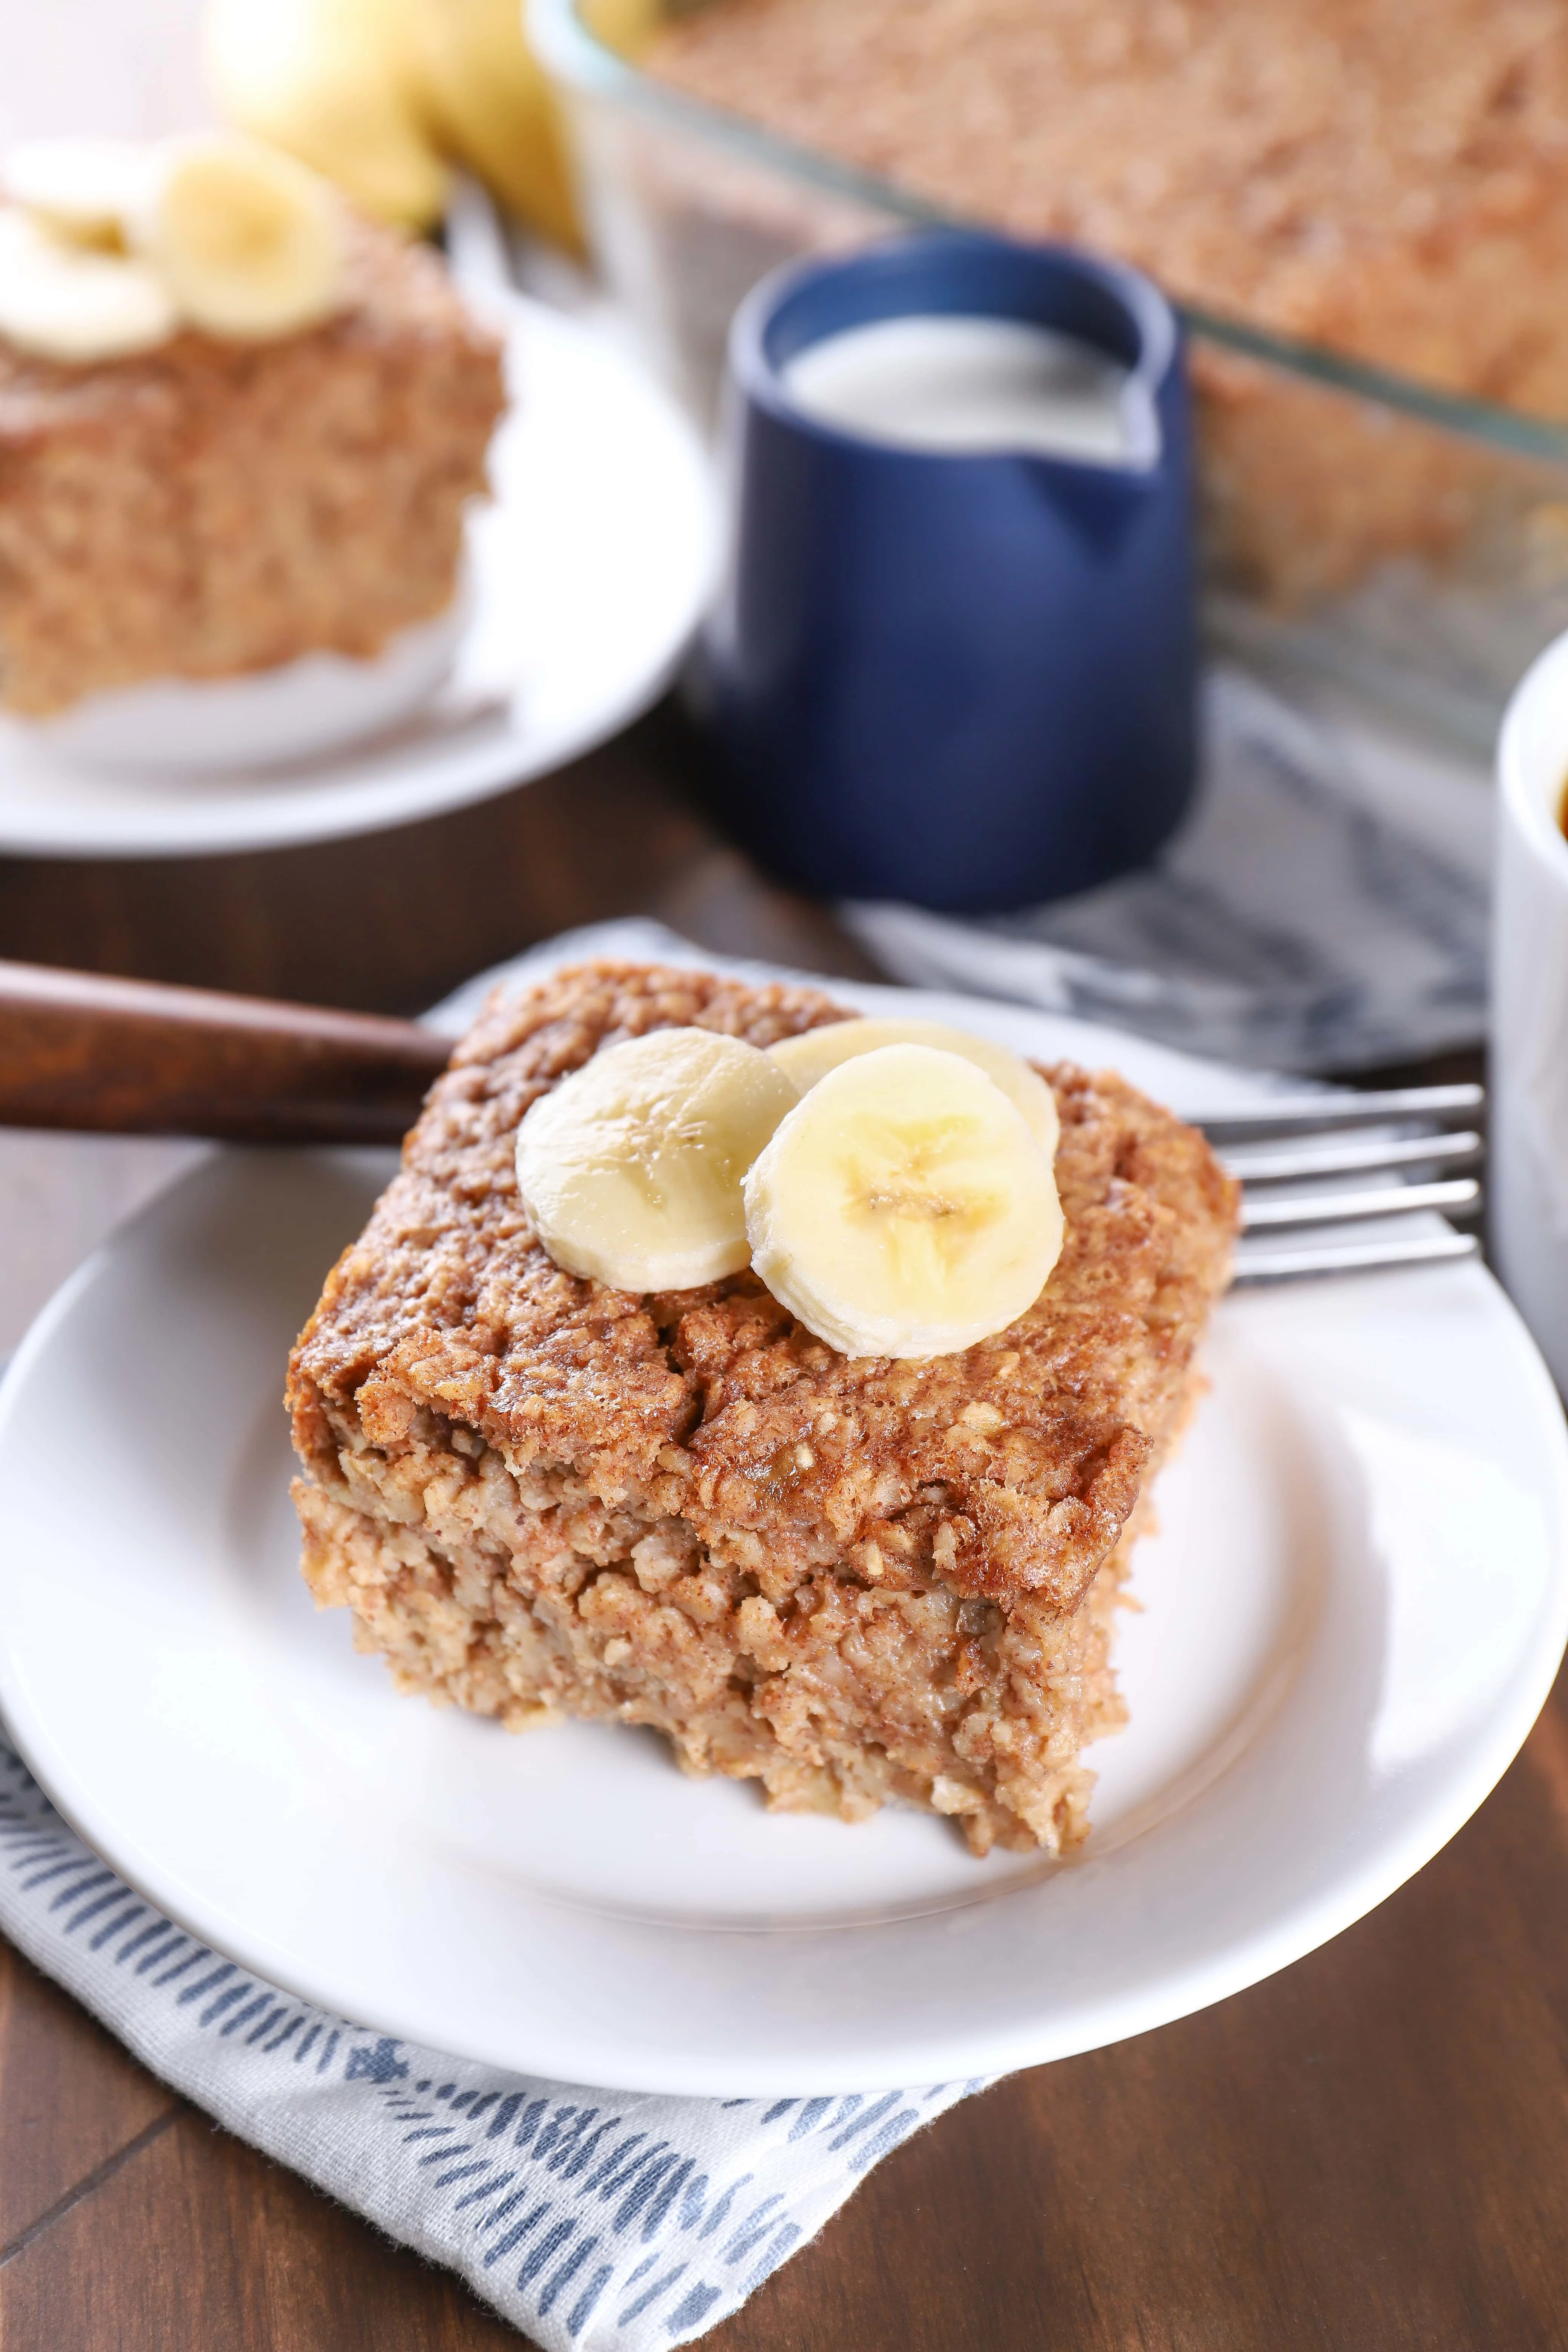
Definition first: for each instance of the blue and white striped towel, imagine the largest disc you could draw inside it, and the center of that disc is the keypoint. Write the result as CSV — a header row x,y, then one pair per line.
x,y
594,2221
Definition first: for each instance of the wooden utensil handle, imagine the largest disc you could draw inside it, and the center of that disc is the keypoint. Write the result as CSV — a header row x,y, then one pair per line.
x,y
130,1057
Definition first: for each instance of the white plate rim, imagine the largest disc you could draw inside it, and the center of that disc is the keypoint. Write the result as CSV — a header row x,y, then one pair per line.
x,y
975,2052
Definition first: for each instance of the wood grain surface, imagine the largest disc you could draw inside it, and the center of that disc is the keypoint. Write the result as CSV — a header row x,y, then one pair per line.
x,y
1370,2150
85,1051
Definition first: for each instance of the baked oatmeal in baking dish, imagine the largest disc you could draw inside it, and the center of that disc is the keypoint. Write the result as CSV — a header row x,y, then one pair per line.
x,y
1384,186
852,1577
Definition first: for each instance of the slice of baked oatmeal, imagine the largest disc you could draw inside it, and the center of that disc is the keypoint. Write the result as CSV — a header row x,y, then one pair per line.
x,y
853,1578
212,508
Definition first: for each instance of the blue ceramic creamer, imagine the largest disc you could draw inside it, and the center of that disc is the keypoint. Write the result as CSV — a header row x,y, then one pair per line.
x,y
962,677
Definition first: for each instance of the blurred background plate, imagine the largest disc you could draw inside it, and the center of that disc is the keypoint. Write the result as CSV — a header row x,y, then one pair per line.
x,y
589,571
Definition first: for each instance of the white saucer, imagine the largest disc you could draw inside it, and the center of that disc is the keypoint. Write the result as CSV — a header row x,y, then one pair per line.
x,y
1351,1617
590,570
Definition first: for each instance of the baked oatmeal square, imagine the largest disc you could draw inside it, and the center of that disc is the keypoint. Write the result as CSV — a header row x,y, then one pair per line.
x,y
853,1578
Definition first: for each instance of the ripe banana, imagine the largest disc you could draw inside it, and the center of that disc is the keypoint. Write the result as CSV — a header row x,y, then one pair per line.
x,y
811,1055
248,241
904,1208
82,189
631,1167
493,108
68,302
336,83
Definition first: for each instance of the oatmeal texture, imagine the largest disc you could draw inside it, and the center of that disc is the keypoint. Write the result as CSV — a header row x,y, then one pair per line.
x,y
850,1579
1315,167
212,508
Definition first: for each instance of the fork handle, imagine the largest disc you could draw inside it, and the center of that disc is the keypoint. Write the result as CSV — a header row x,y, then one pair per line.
x,y
131,1057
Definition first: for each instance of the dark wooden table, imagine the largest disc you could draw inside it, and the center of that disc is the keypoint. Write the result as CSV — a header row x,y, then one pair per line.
x,y
1367,2153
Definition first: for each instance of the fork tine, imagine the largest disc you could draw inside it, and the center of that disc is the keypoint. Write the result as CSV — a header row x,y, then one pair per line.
x,y
1272,1163
1334,1110
1263,1266
1345,1208
1301,1136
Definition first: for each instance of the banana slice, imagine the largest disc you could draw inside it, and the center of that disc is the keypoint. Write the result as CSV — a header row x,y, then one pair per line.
x,y
811,1057
631,1167
904,1208
65,302
249,242
81,188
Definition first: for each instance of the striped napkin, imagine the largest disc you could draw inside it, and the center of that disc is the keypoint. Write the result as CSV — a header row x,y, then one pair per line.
x,y
595,2221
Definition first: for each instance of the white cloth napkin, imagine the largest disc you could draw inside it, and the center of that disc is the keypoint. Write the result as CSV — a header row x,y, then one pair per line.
x,y
1324,907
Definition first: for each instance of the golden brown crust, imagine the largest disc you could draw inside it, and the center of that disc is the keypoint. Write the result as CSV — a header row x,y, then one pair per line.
x,y
1008,1470
210,508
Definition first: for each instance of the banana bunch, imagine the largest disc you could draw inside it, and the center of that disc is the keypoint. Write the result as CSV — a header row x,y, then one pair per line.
x,y
381,94
107,248
492,109
890,1182
335,82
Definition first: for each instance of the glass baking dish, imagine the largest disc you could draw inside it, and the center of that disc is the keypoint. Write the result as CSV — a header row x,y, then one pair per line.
x,y
1362,535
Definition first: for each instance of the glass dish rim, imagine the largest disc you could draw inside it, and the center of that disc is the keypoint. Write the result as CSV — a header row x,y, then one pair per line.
x,y
575,55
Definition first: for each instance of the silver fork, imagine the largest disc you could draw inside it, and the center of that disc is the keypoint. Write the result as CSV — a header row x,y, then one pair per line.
x,y
1296,1140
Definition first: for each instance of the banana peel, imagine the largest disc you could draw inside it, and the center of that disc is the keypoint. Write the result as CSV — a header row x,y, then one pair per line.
x,y
378,94
337,83
493,109
628,26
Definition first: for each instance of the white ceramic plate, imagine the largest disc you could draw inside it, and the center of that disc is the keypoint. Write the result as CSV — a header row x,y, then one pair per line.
x,y
590,570
1351,1617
